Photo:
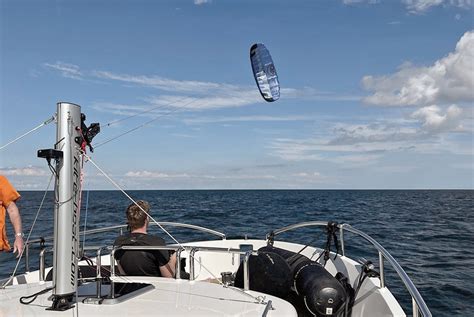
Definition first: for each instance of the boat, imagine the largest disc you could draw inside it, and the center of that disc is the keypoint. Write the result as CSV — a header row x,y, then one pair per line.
x,y
227,276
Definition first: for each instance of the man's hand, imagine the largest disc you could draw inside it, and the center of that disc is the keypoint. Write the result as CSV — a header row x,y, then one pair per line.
x,y
168,270
18,245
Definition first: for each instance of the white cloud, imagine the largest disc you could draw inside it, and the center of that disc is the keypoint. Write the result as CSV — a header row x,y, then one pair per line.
x,y
24,171
450,79
309,93
376,132
197,94
357,160
160,175
349,2
148,174
238,99
420,6
433,120
201,2
67,70
324,149
238,176
119,109
308,175
423,131
164,83
257,118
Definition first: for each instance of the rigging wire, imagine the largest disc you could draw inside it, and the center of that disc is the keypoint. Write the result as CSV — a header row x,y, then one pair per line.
x,y
29,234
257,299
26,133
144,124
144,111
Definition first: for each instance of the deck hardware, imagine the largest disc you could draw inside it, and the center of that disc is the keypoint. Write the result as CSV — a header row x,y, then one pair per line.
x,y
268,308
227,278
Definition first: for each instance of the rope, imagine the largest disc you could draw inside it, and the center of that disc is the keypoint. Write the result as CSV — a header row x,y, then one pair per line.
x,y
26,133
29,234
161,227
143,124
85,222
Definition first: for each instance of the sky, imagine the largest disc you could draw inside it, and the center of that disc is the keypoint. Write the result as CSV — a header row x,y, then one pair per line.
x,y
374,94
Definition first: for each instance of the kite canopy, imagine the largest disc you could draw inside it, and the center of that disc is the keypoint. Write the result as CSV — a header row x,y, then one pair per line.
x,y
264,72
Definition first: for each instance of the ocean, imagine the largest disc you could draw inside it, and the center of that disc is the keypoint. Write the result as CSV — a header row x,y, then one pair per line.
x,y
429,232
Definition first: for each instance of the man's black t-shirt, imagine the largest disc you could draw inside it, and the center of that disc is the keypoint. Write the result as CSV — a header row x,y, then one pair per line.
x,y
134,262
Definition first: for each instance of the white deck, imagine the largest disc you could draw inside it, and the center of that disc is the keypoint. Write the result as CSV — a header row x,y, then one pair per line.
x,y
168,298
172,297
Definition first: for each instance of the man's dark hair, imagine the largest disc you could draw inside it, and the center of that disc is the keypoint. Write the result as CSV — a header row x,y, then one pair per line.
x,y
135,216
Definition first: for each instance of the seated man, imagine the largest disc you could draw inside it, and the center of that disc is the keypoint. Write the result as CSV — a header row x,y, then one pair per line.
x,y
135,262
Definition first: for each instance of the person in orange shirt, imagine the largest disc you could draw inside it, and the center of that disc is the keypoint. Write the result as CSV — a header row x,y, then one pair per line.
x,y
8,197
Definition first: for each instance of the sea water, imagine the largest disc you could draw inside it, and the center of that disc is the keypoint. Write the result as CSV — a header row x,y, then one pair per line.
x,y
429,232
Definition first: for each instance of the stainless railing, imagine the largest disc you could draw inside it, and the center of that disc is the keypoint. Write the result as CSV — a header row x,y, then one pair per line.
x,y
42,240
418,302
192,250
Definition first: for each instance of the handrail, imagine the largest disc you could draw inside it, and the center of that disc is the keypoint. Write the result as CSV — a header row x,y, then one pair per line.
x,y
419,304
192,250
300,225
416,296
401,273
111,228
164,223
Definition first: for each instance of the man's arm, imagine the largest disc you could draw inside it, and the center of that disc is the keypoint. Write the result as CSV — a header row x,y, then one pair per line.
x,y
15,219
168,270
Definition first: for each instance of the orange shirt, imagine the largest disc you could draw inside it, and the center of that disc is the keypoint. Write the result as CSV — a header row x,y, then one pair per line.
x,y
8,194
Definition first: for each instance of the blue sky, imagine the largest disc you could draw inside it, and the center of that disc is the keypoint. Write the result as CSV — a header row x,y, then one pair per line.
x,y
375,94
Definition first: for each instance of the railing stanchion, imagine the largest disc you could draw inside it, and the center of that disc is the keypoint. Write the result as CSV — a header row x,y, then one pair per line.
x,y
246,270
415,308
178,263
381,269
41,265
341,233
98,264
112,263
112,273
192,264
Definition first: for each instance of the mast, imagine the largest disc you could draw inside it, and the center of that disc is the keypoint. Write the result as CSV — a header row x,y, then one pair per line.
x,y
67,207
